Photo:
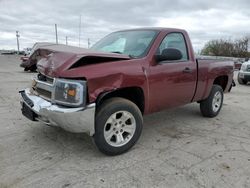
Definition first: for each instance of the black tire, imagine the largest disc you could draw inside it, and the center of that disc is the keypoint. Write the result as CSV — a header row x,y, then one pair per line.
x,y
107,109
241,81
206,106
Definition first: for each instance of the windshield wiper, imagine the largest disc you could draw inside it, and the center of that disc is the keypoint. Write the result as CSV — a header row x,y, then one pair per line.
x,y
116,52
131,56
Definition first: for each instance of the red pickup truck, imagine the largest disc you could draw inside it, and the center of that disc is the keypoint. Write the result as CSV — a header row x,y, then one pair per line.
x,y
104,91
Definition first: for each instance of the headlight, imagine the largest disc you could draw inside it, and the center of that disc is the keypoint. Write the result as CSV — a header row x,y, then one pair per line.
x,y
70,92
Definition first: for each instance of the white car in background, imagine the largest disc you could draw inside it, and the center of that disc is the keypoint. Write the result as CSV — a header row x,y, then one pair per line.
x,y
244,74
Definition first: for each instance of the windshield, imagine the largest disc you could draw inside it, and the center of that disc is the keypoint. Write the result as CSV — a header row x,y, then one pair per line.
x,y
133,43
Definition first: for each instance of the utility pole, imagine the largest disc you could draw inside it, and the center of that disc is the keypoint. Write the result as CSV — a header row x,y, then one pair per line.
x,y
80,25
66,40
88,42
56,33
17,41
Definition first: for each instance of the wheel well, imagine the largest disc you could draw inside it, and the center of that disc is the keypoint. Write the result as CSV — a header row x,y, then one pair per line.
x,y
222,81
134,94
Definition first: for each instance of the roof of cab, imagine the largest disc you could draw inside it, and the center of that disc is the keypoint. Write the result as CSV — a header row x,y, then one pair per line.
x,y
154,29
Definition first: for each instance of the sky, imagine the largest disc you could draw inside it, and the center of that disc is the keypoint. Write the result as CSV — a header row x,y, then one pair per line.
x,y
35,20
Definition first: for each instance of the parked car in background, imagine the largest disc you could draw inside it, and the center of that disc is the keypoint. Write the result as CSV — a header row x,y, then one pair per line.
x,y
24,58
27,51
237,64
31,57
106,91
244,73
8,52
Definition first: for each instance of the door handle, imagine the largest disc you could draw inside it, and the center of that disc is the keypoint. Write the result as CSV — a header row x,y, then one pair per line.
x,y
187,70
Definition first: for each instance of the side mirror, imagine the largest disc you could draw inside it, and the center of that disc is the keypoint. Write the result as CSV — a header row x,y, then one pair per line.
x,y
169,54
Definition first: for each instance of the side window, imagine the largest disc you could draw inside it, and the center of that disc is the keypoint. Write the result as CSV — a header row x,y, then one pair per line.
x,y
174,40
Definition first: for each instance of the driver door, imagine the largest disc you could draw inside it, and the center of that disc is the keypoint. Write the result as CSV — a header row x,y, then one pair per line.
x,y
172,83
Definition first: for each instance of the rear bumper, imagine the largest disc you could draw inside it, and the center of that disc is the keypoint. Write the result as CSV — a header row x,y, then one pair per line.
x,y
76,120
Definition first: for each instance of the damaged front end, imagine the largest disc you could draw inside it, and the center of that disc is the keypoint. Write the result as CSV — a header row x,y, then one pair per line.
x,y
59,102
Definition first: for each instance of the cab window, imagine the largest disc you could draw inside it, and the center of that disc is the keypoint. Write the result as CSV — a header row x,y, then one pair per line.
x,y
174,40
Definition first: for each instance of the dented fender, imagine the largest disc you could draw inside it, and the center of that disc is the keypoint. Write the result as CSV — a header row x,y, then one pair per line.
x,y
115,81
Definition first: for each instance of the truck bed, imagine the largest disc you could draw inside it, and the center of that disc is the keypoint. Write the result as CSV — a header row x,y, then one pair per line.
x,y
208,68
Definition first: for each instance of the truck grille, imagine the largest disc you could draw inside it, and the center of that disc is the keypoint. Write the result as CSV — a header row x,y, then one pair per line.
x,y
43,86
44,78
44,93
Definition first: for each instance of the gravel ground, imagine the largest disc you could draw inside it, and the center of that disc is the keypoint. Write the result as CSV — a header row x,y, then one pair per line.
x,y
178,147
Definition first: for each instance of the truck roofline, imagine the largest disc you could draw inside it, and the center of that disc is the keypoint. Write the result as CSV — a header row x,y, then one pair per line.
x,y
154,29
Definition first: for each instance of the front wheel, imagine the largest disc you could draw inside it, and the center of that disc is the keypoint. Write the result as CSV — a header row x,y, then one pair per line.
x,y
211,106
118,126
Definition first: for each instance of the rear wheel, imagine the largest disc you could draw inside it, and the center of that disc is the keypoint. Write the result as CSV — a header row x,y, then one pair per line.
x,y
241,80
118,126
211,106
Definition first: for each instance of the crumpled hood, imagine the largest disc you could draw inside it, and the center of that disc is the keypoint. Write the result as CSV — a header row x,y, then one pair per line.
x,y
64,57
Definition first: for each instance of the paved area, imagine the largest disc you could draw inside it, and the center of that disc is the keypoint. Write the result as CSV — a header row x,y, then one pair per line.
x,y
178,147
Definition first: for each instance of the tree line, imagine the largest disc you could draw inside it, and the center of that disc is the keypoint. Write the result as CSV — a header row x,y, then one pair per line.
x,y
227,47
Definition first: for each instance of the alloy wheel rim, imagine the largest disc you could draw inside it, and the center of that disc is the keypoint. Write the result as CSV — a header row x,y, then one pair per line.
x,y
119,128
217,101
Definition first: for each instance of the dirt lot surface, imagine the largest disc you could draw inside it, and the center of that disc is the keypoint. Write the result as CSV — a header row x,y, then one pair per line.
x,y
178,147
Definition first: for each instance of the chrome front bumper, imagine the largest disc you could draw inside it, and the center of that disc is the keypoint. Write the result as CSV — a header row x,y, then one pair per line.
x,y
76,120
244,75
